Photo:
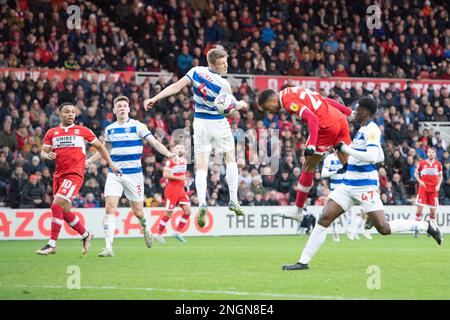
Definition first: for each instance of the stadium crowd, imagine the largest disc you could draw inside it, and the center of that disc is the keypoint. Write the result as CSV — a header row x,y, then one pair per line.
x,y
325,38
297,37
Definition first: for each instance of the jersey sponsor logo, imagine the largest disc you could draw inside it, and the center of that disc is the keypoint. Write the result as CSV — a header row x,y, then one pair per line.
x,y
294,107
430,171
67,142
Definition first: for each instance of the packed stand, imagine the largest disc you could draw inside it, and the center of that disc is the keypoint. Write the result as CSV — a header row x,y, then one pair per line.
x,y
298,37
29,108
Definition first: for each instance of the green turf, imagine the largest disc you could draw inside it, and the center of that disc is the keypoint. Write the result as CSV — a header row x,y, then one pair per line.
x,y
229,268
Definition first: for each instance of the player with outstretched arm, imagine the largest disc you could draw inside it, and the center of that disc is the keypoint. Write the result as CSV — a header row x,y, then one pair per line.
x,y
211,129
360,186
327,126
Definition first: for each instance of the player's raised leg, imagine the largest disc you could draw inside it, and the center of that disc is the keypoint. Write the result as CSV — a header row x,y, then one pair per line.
x,y
201,161
305,181
403,225
109,225
232,177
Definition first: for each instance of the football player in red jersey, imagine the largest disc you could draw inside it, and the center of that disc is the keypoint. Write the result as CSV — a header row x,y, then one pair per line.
x,y
327,124
175,194
429,176
65,144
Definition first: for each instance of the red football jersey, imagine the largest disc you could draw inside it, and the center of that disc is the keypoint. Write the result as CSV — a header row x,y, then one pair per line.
x,y
177,167
429,173
70,148
296,99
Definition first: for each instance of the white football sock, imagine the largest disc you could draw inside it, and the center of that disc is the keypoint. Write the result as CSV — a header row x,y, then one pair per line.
x,y
401,225
200,185
317,237
354,227
232,177
109,226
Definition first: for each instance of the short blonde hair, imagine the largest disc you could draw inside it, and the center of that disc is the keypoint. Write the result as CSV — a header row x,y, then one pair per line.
x,y
121,98
215,54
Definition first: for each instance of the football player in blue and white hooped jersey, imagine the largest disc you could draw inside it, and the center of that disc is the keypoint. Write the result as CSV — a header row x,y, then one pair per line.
x,y
211,129
360,186
124,140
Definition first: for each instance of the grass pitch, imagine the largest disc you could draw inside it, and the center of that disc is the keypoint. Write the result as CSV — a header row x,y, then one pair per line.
x,y
229,268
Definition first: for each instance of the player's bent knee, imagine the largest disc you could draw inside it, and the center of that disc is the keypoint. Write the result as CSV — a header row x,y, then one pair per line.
x,y
169,213
383,229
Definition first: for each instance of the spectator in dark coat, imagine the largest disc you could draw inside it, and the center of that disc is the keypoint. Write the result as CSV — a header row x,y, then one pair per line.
x,y
17,183
33,194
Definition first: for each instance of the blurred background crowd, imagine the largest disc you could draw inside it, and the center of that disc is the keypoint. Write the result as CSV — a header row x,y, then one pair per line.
x,y
297,38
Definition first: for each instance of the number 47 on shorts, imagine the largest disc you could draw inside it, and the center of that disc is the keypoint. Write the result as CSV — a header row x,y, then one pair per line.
x,y
367,196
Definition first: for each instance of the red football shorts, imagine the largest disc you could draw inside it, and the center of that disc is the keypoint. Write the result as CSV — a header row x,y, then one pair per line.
x,y
425,198
175,195
67,186
331,136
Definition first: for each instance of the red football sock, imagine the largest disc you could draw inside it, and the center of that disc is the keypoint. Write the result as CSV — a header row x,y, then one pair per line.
x,y
75,223
418,216
305,183
184,219
433,215
162,224
57,221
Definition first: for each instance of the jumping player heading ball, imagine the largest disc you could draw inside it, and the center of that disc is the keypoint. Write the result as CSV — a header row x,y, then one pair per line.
x,y
327,126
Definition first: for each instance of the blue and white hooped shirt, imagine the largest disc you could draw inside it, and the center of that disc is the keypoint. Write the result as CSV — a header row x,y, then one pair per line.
x,y
207,85
360,173
127,144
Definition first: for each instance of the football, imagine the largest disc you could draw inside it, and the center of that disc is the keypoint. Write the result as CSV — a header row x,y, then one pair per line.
x,y
225,103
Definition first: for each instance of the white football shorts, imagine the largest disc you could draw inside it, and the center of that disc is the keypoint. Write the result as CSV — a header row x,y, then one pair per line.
x,y
130,184
348,196
209,133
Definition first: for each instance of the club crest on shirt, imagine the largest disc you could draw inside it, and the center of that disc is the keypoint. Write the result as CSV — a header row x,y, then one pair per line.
x,y
294,107
372,137
77,131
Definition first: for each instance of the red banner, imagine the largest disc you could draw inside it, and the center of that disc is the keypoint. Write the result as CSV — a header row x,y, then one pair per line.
x,y
276,82
64,74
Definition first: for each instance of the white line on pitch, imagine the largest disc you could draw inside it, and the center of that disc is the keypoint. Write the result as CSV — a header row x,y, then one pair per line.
x,y
232,293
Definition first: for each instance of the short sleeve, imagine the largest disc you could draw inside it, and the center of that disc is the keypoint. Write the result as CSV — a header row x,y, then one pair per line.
x,y
89,135
143,131
190,73
420,166
48,138
440,167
